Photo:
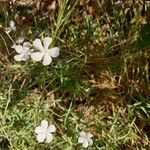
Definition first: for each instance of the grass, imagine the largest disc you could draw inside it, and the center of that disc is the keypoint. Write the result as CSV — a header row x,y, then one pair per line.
x,y
99,83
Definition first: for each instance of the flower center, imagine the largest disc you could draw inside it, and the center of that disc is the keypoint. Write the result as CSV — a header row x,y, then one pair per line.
x,y
45,50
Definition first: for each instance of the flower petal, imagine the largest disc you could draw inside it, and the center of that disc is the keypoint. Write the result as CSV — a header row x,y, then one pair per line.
x,y
49,137
83,134
85,144
44,124
81,140
19,49
25,56
12,24
27,44
90,141
47,41
38,45
37,56
41,137
29,52
51,128
46,60
89,135
18,57
13,28
39,129
54,52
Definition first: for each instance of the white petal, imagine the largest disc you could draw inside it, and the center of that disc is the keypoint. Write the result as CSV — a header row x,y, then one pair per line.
x,y
18,57
90,141
44,123
49,137
81,140
41,137
37,56
54,52
47,41
89,135
25,56
51,128
21,57
12,23
27,44
46,60
38,45
85,144
83,134
13,28
39,129
29,52
19,49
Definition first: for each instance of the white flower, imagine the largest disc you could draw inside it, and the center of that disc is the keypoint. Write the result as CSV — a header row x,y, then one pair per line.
x,y
45,53
85,139
44,132
24,52
11,27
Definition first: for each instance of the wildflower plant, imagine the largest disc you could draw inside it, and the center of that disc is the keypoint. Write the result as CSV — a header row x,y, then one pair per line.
x,y
24,51
44,132
44,53
94,75
85,139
